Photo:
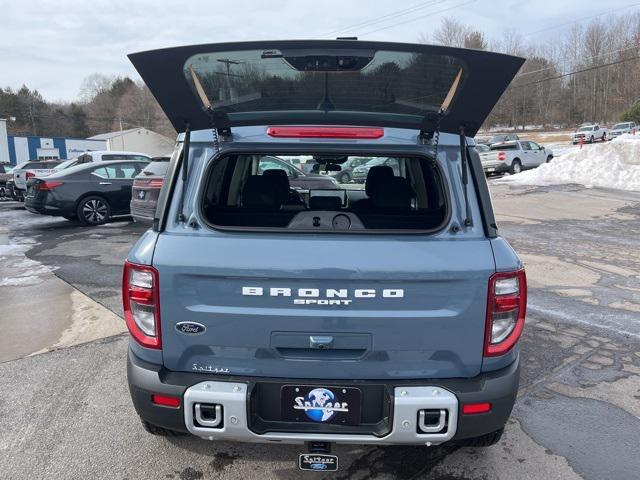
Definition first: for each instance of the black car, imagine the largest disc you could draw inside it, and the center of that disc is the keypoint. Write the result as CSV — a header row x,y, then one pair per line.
x,y
89,193
146,190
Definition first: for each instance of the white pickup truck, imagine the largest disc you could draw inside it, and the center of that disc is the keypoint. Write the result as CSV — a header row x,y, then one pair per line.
x,y
589,134
27,170
513,157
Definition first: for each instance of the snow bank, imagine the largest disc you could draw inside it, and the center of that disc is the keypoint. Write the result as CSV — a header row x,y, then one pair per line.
x,y
614,164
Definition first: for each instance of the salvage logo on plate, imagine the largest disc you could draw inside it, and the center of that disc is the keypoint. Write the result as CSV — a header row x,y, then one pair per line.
x,y
318,462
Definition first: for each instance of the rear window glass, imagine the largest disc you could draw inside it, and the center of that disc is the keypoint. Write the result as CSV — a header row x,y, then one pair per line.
x,y
318,79
505,146
41,165
382,193
156,168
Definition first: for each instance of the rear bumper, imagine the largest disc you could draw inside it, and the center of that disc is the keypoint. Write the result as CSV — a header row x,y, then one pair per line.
x,y
495,167
408,397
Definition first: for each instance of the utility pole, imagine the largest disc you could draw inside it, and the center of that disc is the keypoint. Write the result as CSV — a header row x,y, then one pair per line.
x,y
228,62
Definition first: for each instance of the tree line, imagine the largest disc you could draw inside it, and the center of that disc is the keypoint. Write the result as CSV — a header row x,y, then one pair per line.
x,y
588,73
105,104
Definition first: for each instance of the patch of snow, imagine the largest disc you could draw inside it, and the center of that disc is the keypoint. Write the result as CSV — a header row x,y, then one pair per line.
x,y
614,165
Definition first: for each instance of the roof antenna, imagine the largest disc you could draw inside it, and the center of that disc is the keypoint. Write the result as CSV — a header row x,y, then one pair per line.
x,y
186,146
465,177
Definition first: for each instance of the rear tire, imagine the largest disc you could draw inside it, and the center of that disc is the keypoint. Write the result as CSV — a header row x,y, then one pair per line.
x,y
604,137
484,440
160,431
591,140
549,158
516,167
344,178
93,210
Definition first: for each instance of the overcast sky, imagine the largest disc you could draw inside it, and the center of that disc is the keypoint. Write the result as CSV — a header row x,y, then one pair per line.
x,y
53,45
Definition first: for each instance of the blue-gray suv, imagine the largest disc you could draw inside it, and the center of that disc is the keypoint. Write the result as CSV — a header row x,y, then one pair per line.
x,y
384,313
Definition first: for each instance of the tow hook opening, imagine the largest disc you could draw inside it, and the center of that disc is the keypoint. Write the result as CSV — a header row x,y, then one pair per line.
x,y
208,415
319,447
432,421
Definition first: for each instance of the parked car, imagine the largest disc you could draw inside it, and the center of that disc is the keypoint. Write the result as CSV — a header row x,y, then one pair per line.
x,y
5,174
345,175
89,193
360,173
513,157
101,156
622,128
589,134
385,316
298,179
146,189
501,138
31,169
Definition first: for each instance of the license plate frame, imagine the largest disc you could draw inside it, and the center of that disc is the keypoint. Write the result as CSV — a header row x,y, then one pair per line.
x,y
298,404
318,462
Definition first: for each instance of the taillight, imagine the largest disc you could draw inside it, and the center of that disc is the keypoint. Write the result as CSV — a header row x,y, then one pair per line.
x,y
506,310
48,186
502,156
155,183
141,302
29,175
325,132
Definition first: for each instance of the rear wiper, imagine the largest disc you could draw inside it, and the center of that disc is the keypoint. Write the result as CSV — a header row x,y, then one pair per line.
x,y
465,177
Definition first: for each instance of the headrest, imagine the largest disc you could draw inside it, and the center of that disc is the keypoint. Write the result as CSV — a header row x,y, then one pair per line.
x,y
261,192
282,182
325,203
377,175
396,193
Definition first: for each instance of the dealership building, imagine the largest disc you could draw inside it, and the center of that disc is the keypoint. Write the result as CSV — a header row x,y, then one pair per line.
x,y
18,149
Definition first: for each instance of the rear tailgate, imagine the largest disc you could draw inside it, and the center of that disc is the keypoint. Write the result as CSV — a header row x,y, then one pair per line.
x,y
20,177
392,308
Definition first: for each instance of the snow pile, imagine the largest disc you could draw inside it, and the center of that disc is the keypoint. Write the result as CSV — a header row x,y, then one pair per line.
x,y
614,164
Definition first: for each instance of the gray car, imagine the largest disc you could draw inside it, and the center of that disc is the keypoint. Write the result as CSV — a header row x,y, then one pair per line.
x,y
388,315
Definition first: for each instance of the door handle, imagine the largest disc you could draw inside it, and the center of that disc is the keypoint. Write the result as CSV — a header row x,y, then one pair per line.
x,y
105,183
320,342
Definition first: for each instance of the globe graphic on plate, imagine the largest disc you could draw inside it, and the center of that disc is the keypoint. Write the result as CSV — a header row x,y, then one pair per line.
x,y
320,397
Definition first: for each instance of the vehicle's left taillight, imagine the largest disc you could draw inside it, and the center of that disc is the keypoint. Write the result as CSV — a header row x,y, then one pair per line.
x,y
47,186
29,175
141,302
506,310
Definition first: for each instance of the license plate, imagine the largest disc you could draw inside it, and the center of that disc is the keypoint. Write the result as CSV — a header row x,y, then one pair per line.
x,y
335,405
491,169
318,462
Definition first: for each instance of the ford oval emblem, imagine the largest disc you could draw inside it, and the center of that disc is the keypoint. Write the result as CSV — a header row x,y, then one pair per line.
x,y
190,328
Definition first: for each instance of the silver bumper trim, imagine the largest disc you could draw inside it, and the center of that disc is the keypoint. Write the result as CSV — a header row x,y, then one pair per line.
x,y
407,403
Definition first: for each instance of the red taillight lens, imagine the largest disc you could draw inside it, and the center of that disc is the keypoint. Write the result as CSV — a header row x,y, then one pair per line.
x,y
141,303
48,186
473,408
325,132
29,175
166,401
502,156
506,310
156,183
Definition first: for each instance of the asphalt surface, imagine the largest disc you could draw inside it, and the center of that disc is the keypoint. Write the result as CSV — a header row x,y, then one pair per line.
x,y
66,413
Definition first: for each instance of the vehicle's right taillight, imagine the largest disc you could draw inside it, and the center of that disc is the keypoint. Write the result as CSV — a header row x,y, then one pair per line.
x,y
141,302
506,310
502,156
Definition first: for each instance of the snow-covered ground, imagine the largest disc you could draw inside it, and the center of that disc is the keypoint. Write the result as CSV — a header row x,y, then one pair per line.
x,y
614,164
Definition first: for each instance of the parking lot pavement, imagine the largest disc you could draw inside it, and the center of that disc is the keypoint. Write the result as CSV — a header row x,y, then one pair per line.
x,y
66,413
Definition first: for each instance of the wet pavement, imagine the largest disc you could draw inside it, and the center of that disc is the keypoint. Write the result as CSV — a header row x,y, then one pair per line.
x,y
67,414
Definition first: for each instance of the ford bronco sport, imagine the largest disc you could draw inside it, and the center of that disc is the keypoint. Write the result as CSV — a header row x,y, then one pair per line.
x,y
387,313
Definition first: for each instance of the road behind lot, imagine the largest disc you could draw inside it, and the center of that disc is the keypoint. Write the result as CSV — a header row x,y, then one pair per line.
x,y
66,413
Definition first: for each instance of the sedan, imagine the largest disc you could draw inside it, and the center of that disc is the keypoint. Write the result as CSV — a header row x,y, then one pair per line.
x,y
360,173
90,193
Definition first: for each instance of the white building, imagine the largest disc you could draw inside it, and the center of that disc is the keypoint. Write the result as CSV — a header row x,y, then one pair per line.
x,y
137,140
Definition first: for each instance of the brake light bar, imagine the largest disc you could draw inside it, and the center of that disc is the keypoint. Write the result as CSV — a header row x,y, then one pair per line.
x,y
506,311
325,132
141,304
